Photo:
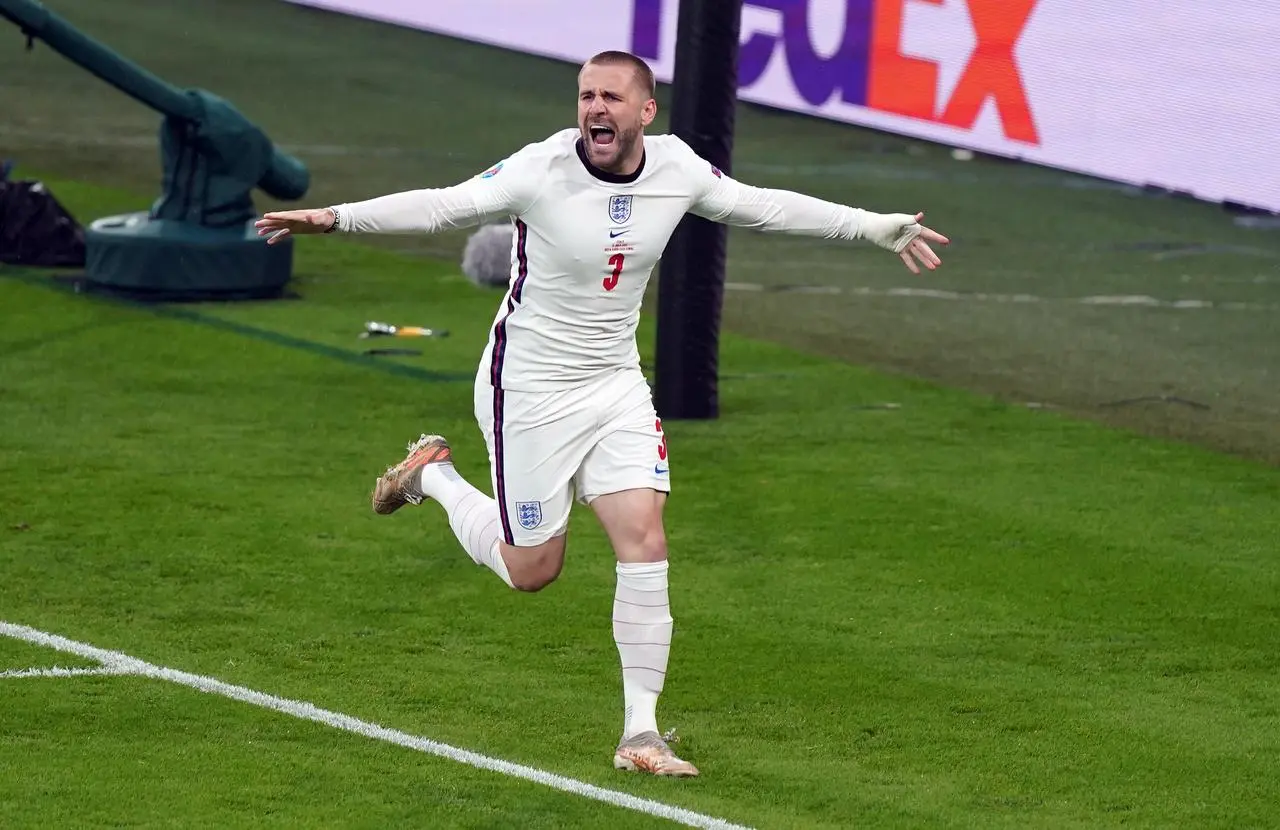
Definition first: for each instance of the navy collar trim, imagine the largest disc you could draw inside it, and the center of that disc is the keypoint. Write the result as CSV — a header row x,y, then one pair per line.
x,y
605,175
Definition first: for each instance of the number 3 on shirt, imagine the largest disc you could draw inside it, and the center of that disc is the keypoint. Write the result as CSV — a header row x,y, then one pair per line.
x,y
611,281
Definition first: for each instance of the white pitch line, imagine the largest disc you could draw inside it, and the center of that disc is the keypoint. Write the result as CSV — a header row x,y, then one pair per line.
x,y
117,663
1124,300
59,671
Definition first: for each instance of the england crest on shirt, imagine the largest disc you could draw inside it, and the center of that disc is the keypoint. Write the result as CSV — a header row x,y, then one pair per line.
x,y
529,514
620,209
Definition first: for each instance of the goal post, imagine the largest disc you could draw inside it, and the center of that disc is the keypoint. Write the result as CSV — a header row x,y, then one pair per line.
x,y
691,274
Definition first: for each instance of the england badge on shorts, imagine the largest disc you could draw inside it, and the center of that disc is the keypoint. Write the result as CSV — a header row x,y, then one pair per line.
x,y
619,209
529,514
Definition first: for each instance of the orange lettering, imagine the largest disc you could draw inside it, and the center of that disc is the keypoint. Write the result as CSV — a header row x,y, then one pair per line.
x,y
895,82
993,71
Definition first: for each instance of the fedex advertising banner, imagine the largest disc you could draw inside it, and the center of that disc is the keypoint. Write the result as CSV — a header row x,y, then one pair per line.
x,y
1180,94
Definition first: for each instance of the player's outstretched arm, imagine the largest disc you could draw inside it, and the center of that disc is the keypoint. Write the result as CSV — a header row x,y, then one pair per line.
x,y
413,211
784,211
416,211
723,199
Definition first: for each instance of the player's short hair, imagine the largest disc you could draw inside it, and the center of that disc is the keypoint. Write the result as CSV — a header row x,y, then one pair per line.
x,y
614,57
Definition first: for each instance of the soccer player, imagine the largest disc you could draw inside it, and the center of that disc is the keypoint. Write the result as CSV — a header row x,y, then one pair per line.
x,y
559,396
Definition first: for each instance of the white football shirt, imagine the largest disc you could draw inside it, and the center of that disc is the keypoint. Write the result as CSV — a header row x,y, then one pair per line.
x,y
585,243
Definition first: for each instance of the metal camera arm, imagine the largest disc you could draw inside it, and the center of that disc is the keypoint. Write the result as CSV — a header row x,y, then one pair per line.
x,y
212,156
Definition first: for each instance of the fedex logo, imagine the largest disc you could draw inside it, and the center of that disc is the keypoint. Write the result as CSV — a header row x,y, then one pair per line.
x,y
869,67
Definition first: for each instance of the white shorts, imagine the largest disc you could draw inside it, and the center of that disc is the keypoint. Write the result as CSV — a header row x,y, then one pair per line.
x,y
548,448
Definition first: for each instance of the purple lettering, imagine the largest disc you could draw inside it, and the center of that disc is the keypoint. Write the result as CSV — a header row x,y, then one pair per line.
x,y
816,78
646,29
755,52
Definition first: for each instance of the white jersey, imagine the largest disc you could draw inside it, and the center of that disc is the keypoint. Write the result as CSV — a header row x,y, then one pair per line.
x,y
585,243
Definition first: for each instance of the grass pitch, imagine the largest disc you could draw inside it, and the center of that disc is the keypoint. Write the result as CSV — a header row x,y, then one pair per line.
x,y
372,108
947,612
896,604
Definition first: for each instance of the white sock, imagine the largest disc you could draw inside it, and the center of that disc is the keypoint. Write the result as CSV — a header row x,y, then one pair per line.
x,y
473,516
642,630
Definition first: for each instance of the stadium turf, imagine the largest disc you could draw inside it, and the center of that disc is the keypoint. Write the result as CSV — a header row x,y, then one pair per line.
x,y
896,605
1146,312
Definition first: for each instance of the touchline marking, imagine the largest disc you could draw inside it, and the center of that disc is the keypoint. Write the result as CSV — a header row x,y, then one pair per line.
x,y
1129,300
113,662
59,671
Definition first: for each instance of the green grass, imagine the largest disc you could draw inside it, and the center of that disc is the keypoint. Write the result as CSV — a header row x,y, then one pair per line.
x,y
953,613
209,761
17,654
373,109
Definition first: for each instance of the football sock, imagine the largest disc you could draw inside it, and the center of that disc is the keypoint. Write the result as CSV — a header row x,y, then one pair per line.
x,y
642,630
473,516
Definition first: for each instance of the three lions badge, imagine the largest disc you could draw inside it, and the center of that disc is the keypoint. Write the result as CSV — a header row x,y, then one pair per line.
x,y
529,514
619,209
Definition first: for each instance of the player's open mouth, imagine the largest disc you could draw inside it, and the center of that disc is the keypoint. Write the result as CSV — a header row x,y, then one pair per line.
x,y
601,135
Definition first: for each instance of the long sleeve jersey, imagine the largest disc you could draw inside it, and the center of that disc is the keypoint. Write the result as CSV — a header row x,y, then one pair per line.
x,y
584,245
